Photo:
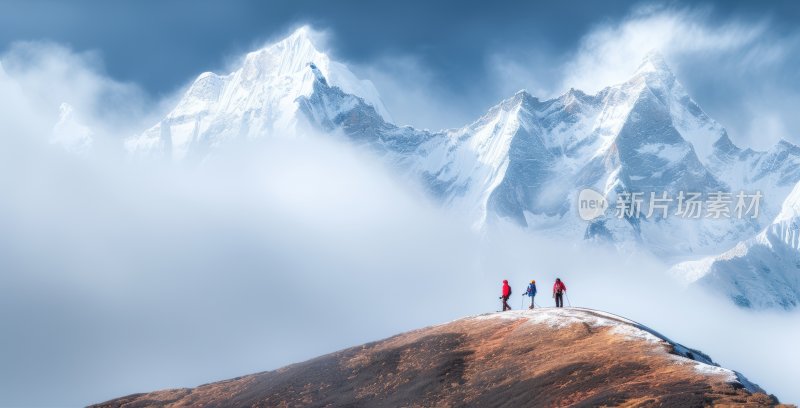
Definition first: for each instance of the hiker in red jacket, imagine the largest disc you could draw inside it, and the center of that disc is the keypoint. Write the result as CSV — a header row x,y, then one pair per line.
x,y
558,292
506,294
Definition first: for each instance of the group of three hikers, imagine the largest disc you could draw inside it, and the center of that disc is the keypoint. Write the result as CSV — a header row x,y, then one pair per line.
x,y
559,289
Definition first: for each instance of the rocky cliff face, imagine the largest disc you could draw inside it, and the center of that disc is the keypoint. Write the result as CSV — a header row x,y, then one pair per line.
x,y
542,358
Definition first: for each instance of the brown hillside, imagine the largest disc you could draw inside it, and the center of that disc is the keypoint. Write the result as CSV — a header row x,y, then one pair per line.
x,y
540,358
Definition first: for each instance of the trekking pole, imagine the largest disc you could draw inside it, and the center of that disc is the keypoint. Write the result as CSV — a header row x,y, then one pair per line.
x,y
568,302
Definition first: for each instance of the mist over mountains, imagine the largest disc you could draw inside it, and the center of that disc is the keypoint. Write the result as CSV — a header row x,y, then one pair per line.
x,y
523,161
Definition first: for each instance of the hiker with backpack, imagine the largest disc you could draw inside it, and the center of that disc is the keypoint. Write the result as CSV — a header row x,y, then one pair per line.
x,y
506,293
531,292
558,292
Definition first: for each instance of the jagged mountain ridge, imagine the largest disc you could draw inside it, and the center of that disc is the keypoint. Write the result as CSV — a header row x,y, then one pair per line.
x,y
523,161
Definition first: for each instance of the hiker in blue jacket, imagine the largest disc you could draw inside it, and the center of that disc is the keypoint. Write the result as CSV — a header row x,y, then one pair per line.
x,y
531,291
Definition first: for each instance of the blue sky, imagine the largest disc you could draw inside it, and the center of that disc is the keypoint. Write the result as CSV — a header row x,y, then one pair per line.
x,y
159,44
442,64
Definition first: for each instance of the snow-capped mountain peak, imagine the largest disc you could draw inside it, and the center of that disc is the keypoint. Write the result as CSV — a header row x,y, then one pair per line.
x,y
285,57
653,62
298,54
259,98
655,77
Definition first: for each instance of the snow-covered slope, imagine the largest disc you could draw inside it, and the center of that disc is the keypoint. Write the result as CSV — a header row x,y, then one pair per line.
x,y
652,149
773,172
760,272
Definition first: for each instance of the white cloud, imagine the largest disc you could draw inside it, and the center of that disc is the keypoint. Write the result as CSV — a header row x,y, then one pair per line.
x,y
611,52
536,72
45,76
70,133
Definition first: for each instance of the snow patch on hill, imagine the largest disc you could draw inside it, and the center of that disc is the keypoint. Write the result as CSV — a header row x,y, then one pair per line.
x,y
559,318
